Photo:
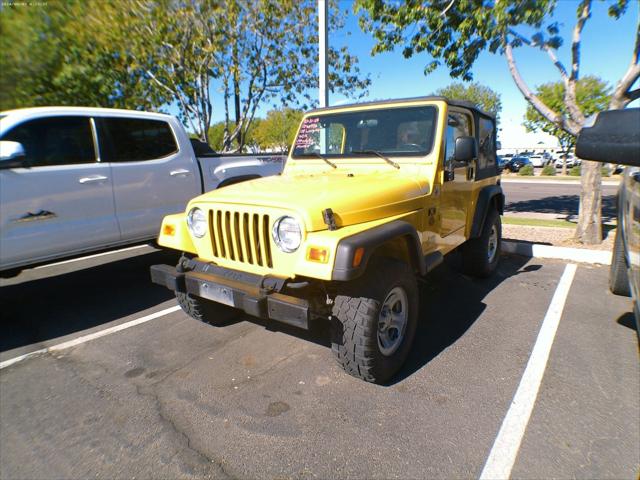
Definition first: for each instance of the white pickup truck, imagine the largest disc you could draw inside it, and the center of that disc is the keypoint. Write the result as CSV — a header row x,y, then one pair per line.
x,y
79,180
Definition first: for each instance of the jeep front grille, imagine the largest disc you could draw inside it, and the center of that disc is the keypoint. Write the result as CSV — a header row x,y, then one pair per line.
x,y
240,237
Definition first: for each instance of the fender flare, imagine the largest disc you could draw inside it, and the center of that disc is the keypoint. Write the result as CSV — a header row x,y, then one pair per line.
x,y
489,196
343,268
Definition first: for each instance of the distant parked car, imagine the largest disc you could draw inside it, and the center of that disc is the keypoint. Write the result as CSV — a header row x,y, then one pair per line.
x,y
538,161
516,163
615,138
572,161
501,162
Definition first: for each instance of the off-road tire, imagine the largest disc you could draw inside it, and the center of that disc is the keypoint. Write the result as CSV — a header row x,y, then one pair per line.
x,y
355,341
206,311
618,275
475,252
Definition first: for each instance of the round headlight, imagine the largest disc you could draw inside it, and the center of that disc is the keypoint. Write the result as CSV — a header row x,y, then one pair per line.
x,y
287,234
197,222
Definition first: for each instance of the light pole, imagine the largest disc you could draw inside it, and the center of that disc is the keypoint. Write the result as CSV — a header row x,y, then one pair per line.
x,y
322,50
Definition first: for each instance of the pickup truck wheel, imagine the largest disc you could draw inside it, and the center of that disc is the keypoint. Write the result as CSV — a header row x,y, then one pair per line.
x,y
618,276
480,255
374,326
206,311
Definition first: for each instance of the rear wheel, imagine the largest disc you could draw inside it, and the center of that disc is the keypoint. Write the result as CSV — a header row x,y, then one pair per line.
x,y
375,324
480,255
206,311
618,276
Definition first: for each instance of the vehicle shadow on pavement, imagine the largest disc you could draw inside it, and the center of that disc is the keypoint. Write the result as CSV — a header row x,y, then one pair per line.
x,y
567,205
627,320
38,310
450,304
444,317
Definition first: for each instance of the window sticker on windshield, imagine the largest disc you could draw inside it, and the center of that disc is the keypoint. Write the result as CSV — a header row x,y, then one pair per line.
x,y
308,131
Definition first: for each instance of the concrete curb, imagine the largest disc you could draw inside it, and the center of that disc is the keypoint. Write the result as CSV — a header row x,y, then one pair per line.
x,y
582,255
607,183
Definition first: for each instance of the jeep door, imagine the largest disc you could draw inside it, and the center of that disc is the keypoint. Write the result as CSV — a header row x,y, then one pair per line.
x,y
61,203
457,186
152,176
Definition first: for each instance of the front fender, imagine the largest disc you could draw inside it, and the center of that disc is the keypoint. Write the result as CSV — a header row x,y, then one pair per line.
x,y
175,234
343,268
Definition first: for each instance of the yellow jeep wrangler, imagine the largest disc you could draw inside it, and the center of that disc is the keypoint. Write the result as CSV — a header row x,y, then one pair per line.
x,y
372,195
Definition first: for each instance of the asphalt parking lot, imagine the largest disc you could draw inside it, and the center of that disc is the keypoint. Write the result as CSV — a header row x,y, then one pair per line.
x,y
173,398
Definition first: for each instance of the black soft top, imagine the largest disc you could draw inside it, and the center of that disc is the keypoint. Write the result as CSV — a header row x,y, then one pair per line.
x,y
456,103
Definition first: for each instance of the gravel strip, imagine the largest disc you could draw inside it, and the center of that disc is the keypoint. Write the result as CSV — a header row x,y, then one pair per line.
x,y
556,236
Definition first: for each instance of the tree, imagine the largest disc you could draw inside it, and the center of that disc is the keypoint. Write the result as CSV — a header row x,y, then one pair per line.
x,y
145,54
278,129
253,52
456,32
49,58
592,95
476,93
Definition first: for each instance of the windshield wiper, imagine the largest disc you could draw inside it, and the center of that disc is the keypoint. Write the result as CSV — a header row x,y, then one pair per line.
x,y
378,154
316,154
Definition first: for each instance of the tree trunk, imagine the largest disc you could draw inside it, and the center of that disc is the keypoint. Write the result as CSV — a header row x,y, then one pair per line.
x,y
589,229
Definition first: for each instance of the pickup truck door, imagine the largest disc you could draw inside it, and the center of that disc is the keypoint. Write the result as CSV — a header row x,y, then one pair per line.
x,y
62,203
456,190
153,173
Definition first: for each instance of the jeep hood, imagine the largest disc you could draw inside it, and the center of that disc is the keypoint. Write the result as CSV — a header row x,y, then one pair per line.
x,y
353,197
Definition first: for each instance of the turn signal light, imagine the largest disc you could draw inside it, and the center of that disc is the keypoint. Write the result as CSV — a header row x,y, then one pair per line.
x,y
317,254
357,257
169,230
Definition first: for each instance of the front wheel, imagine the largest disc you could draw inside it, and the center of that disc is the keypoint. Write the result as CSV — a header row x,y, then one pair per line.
x,y
374,326
206,311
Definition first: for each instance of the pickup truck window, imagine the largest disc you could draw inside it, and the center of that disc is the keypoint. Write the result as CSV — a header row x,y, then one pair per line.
x,y
133,140
406,131
55,140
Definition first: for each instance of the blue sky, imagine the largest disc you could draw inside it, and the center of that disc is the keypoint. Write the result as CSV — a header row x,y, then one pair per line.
x,y
606,53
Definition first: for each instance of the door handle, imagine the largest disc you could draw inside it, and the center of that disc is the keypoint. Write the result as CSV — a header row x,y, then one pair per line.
x,y
40,215
92,179
180,172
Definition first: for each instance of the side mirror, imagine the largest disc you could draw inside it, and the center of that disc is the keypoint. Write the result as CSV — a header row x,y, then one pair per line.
x,y
466,149
614,137
11,154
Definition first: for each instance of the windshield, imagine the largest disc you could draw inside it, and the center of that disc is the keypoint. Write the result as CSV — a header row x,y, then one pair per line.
x,y
406,131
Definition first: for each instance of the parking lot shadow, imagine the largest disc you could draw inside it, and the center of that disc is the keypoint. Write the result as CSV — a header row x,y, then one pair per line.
x,y
443,319
566,205
45,308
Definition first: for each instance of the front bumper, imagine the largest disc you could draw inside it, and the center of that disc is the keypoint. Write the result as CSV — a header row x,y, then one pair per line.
x,y
236,290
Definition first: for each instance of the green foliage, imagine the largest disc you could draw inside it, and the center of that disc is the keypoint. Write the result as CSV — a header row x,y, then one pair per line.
x,y
456,32
481,95
453,33
216,136
278,129
49,58
526,171
548,170
143,54
592,95
575,171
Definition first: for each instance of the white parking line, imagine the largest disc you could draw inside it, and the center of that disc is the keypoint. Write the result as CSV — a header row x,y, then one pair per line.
x,y
507,443
79,259
91,336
